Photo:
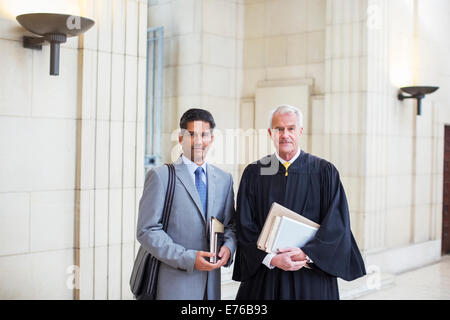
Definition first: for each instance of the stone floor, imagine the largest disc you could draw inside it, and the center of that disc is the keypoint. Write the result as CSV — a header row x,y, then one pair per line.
x,y
430,282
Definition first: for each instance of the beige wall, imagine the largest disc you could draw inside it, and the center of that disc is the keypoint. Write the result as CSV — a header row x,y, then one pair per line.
x,y
71,172
403,197
38,124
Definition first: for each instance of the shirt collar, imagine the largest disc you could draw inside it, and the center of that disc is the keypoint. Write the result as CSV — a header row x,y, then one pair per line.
x,y
290,161
192,166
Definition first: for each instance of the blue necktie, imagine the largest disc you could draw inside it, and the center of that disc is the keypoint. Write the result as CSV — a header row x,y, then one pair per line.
x,y
201,187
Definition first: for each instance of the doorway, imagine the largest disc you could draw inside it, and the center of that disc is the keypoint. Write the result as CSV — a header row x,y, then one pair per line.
x,y
446,195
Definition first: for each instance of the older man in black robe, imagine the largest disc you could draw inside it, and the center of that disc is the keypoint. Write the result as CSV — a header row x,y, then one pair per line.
x,y
311,187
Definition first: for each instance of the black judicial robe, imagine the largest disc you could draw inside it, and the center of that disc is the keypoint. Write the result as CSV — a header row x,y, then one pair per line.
x,y
313,189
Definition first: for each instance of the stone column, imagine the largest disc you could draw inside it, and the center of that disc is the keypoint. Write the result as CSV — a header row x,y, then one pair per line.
x,y
343,116
110,144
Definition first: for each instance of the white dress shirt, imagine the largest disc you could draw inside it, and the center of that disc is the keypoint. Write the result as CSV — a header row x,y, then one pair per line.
x,y
290,161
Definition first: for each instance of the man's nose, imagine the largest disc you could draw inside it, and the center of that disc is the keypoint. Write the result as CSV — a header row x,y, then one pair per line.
x,y
198,139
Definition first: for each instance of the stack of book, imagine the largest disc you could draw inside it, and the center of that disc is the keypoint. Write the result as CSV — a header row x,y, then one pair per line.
x,y
285,228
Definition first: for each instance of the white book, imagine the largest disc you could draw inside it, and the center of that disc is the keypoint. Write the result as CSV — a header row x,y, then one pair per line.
x,y
272,234
270,227
292,234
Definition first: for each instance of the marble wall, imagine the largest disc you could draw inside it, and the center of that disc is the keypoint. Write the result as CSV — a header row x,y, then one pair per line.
x,y
71,147
38,126
111,127
71,173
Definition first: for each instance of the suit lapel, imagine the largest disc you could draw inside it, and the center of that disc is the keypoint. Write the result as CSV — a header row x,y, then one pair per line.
x,y
186,180
211,180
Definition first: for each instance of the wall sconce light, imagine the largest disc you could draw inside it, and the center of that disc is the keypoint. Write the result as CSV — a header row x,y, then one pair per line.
x,y
416,92
54,28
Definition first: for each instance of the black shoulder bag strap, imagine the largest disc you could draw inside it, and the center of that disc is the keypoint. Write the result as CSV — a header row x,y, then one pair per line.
x,y
169,196
154,263
146,288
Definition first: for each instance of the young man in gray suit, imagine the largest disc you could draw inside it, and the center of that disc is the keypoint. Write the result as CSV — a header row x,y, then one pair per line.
x,y
201,191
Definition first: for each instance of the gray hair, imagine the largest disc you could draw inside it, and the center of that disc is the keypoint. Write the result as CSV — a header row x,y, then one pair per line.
x,y
285,108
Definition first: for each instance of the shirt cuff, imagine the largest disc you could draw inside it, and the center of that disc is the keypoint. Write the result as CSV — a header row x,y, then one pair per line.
x,y
267,260
308,259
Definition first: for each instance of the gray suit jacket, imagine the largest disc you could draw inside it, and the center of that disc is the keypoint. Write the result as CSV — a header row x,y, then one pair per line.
x,y
187,230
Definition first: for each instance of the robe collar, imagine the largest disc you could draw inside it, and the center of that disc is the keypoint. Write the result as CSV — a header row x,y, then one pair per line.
x,y
290,161
297,166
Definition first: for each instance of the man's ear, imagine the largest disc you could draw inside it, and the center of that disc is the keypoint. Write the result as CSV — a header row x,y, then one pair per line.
x,y
180,138
301,130
270,132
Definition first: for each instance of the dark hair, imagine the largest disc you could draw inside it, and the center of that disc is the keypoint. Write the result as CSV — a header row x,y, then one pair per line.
x,y
197,115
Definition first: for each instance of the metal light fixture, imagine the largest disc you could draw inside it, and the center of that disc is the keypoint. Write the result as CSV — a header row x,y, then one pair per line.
x,y
54,28
416,92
